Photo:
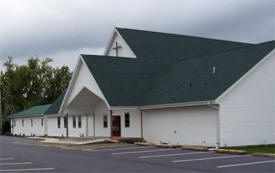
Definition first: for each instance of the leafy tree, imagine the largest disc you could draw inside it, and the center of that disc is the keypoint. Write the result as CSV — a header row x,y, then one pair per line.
x,y
37,82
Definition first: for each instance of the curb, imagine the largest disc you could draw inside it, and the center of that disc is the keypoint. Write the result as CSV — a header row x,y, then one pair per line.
x,y
167,145
143,143
264,154
231,151
194,148
111,140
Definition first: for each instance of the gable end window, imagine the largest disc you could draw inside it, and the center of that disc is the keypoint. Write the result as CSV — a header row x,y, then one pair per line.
x,y
79,121
105,121
58,122
127,119
74,122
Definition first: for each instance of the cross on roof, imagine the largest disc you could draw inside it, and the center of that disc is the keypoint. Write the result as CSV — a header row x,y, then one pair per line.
x,y
116,48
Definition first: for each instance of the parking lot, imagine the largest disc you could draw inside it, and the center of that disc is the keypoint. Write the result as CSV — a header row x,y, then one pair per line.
x,y
24,155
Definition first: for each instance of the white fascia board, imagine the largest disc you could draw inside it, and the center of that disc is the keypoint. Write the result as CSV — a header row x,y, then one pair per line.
x,y
76,70
173,105
218,99
124,107
28,116
90,73
107,48
54,115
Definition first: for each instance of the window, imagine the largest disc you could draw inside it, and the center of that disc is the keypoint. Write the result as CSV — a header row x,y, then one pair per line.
x,y
22,123
127,119
105,121
65,122
31,123
79,121
14,123
74,122
58,122
42,122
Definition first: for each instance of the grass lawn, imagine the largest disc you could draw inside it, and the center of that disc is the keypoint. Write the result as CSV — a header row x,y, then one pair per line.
x,y
258,148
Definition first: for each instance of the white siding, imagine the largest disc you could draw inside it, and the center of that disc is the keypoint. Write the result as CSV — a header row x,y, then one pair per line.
x,y
100,110
135,123
53,130
186,125
124,51
247,111
37,129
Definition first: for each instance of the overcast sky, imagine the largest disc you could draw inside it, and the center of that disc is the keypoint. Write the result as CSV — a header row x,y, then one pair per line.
x,y
62,29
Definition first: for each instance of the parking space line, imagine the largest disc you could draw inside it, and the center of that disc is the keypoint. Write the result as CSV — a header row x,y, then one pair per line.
x,y
177,154
6,158
29,169
16,163
146,151
209,158
117,149
244,164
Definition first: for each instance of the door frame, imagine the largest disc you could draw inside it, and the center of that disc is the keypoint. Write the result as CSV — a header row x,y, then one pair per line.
x,y
112,125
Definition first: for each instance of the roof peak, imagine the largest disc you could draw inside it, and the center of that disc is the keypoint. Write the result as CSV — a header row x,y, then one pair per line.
x,y
182,35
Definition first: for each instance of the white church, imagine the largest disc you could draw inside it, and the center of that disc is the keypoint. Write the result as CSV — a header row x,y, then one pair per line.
x,y
164,87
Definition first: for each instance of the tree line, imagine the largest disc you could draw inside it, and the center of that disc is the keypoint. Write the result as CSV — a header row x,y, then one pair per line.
x,y
35,83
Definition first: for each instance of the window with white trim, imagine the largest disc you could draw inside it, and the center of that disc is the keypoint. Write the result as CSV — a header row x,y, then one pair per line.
x,y
105,120
74,122
58,122
79,121
127,119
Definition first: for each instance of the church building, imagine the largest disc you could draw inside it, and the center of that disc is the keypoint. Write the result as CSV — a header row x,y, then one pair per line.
x,y
166,88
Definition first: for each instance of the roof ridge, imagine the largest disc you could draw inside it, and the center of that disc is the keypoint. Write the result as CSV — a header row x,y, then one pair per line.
x,y
217,53
184,35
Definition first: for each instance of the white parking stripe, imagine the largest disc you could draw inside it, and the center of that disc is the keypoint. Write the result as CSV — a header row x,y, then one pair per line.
x,y
243,164
30,169
177,154
145,151
16,163
6,158
209,158
117,149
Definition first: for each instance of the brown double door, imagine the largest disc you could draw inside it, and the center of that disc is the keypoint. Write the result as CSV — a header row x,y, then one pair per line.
x,y
116,126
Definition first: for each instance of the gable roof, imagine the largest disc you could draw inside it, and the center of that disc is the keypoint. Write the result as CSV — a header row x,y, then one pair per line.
x,y
170,47
54,109
32,111
144,81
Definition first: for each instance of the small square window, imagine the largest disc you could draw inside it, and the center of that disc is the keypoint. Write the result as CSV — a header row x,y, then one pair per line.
x,y
127,119
105,121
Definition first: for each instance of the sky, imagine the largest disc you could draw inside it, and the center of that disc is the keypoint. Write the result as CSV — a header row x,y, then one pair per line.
x,y
64,29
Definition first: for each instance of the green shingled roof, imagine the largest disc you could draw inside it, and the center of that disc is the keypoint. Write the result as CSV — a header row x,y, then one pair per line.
x,y
35,110
54,109
145,81
170,47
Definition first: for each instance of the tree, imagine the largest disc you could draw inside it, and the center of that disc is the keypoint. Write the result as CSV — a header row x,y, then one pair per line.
x,y
37,82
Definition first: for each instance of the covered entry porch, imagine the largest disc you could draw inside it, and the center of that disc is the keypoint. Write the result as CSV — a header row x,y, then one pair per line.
x,y
90,116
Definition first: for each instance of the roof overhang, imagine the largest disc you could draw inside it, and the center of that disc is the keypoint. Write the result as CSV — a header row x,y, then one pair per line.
x,y
26,116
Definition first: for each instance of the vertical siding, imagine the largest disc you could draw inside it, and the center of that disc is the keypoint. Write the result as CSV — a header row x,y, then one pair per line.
x,y
247,111
186,125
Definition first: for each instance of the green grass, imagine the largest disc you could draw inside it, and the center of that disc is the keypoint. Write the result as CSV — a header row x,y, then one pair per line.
x,y
257,148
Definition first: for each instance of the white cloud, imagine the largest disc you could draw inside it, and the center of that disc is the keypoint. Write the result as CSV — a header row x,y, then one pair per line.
x,y
64,28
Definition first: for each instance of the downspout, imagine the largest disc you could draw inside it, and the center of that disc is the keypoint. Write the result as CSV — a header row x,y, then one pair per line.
x,y
67,123
111,115
141,124
217,124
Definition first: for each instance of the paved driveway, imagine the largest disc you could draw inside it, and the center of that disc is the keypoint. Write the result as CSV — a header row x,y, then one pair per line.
x,y
25,155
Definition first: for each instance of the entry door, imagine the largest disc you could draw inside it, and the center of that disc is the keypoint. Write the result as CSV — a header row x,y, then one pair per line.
x,y
116,128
